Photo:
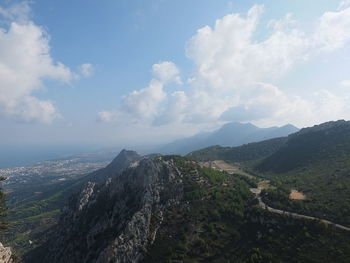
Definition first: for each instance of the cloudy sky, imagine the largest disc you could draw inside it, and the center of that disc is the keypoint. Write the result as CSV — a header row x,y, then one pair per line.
x,y
120,72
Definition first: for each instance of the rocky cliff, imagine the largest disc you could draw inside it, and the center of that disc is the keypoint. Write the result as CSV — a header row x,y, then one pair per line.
x,y
117,220
6,255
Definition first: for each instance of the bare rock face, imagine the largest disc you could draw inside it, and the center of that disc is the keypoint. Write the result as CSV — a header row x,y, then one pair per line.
x,y
117,220
5,254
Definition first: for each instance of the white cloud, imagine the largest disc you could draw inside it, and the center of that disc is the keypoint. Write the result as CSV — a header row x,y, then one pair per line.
x,y
166,72
175,109
86,70
344,4
19,12
234,74
333,29
25,62
145,104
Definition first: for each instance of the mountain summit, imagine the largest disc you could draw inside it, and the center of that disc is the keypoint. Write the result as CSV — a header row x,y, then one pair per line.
x,y
230,134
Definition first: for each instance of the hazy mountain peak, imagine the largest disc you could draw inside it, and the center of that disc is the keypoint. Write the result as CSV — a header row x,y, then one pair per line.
x,y
239,125
290,126
230,134
124,158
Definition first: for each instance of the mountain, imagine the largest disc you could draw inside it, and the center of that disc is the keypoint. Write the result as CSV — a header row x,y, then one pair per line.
x,y
242,154
327,142
123,160
315,161
33,216
169,209
231,134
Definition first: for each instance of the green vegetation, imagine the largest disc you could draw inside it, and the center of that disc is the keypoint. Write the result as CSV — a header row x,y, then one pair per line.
x,y
222,224
242,154
327,191
36,205
31,218
3,208
316,162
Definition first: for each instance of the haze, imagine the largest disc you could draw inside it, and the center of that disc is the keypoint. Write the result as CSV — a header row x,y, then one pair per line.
x,y
107,73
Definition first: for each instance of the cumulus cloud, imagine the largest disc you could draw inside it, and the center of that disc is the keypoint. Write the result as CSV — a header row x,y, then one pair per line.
x,y
145,104
235,74
333,29
344,4
166,72
25,62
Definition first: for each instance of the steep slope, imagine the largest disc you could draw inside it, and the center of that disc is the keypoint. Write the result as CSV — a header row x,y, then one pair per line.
x,y
231,134
326,142
169,209
112,220
30,220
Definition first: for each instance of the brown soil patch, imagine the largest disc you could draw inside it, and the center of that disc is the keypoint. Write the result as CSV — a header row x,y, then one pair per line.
x,y
296,195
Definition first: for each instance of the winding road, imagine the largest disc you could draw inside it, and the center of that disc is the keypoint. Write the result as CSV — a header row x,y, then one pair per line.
x,y
299,216
222,165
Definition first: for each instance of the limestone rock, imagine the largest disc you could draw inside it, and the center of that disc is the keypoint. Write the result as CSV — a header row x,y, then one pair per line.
x,y
117,220
5,254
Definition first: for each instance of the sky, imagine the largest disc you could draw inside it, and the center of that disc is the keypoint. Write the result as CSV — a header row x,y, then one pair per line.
x,y
120,72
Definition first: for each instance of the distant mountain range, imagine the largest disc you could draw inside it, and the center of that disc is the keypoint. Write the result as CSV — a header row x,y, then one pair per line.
x,y
230,134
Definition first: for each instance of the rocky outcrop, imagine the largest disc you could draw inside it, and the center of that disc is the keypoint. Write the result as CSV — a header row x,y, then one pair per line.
x,y
5,254
116,221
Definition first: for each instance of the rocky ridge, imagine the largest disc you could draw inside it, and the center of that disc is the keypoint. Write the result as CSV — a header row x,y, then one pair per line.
x,y
117,220
6,255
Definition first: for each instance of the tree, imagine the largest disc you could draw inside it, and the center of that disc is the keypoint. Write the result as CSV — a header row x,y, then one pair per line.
x,y
3,208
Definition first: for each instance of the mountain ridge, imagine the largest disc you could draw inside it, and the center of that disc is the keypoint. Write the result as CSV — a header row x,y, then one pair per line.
x,y
230,134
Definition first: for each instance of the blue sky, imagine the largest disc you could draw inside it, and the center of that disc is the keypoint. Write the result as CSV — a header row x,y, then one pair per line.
x,y
132,72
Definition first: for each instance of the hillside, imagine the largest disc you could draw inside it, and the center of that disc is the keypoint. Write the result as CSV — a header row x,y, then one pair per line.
x,y
169,209
231,134
242,154
30,217
315,161
326,142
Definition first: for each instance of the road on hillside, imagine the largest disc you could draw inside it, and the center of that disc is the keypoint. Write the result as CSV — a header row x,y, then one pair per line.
x,y
299,216
222,165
